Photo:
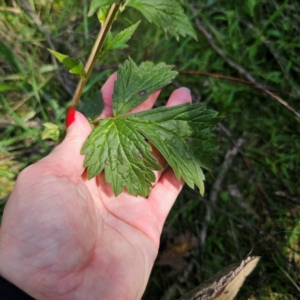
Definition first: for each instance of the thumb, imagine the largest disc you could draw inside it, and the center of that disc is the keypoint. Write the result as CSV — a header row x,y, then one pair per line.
x,y
65,159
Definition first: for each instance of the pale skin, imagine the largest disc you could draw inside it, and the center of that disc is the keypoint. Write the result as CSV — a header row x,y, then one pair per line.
x,y
66,237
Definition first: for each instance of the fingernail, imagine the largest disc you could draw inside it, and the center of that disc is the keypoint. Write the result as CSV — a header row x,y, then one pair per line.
x,y
70,118
187,89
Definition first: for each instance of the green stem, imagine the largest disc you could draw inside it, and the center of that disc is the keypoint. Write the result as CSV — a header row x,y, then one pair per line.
x,y
94,53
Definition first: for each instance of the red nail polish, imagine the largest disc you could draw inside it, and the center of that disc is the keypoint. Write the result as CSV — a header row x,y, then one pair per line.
x,y
70,118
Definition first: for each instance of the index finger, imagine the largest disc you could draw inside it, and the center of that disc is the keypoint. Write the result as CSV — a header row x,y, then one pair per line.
x,y
107,92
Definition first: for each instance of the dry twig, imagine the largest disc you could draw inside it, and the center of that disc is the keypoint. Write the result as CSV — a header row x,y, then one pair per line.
x,y
217,185
225,284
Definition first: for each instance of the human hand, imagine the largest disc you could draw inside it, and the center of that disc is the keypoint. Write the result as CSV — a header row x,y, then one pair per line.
x,y
66,237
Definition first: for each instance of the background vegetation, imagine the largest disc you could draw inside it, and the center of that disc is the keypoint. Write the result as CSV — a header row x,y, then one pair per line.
x,y
252,195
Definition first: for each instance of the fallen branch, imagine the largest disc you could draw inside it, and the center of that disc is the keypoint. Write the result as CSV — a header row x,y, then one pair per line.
x,y
226,283
217,185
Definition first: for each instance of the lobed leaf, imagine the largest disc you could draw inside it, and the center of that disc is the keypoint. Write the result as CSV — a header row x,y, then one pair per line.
x,y
167,14
181,133
119,41
135,84
118,149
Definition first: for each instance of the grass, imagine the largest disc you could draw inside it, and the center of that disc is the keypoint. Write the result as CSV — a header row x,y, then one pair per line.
x,y
256,200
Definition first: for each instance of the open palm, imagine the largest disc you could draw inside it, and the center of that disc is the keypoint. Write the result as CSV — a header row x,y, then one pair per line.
x,y
66,237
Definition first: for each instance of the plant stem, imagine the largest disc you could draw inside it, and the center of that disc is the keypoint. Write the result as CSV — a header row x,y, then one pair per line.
x,y
94,53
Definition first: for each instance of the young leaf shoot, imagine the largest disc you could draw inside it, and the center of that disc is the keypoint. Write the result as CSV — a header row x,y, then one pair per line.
x,y
74,67
119,41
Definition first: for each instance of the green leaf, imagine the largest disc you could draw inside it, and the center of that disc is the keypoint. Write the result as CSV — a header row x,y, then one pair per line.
x,y
102,13
93,106
75,67
167,14
97,4
7,87
181,133
119,41
51,131
78,69
135,84
116,147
